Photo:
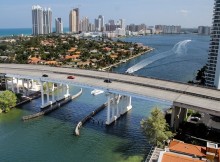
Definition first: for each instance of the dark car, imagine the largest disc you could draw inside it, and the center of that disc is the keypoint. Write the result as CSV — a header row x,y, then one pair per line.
x,y
195,119
44,75
70,77
107,81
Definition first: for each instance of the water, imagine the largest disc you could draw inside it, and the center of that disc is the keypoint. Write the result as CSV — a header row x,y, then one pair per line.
x,y
176,57
50,138
178,49
20,31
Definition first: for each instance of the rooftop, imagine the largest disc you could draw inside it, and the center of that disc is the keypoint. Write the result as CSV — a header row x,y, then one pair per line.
x,y
169,157
185,148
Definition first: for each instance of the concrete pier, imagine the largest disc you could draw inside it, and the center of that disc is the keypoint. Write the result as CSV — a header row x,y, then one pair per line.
x,y
119,105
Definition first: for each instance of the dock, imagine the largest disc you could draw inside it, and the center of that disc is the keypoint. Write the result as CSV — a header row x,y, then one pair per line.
x,y
53,107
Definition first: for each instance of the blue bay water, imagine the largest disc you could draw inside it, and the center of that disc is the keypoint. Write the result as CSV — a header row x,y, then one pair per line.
x,y
50,138
180,64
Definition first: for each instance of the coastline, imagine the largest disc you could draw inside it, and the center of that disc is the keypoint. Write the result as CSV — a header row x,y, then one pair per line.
x,y
125,60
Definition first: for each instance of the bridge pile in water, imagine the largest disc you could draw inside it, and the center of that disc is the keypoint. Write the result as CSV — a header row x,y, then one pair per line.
x,y
53,107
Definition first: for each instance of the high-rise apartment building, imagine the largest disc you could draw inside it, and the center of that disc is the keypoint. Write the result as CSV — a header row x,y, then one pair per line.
x,y
168,29
47,21
74,20
37,20
204,30
122,23
212,73
96,22
99,23
59,25
84,24
41,20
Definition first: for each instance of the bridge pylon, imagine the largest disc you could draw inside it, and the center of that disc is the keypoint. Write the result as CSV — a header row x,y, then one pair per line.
x,y
62,92
117,106
177,117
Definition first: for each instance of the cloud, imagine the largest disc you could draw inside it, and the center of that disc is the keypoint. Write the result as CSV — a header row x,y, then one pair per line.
x,y
184,12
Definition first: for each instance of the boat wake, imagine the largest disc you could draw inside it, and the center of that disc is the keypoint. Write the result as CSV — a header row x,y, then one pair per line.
x,y
178,49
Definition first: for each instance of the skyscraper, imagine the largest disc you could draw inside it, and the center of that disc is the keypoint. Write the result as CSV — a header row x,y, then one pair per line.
x,y
74,20
41,20
37,20
101,23
59,25
212,73
84,24
47,21
122,23
204,30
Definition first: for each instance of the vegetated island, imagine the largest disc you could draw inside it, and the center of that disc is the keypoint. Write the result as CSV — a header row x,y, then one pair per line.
x,y
68,51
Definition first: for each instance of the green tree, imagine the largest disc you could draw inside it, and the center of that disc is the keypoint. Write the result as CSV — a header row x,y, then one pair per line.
x,y
7,100
156,128
201,75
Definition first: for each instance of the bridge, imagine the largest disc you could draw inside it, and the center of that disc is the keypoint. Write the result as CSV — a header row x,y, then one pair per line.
x,y
181,96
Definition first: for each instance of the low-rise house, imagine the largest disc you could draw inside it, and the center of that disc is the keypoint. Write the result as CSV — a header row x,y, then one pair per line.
x,y
72,57
183,152
94,51
113,56
33,49
34,60
82,64
48,43
107,49
51,62
72,49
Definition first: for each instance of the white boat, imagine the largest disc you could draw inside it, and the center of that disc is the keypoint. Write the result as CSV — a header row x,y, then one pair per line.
x,y
96,92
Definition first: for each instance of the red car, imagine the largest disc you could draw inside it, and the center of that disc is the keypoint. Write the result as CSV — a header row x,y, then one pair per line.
x,y
70,77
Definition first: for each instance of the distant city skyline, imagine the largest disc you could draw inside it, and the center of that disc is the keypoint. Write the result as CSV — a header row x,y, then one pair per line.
x,y
186,13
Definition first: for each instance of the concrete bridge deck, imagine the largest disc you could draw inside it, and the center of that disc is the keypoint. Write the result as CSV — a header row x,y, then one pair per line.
x,y
199,98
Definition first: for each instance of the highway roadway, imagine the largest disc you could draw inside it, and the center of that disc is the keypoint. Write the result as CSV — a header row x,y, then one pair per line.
x,y
199,98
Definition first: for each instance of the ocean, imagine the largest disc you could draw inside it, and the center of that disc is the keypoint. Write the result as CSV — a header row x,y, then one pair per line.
x,y
20,31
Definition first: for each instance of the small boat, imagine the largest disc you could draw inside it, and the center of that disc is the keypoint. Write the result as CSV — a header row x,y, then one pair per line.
x,y
96,92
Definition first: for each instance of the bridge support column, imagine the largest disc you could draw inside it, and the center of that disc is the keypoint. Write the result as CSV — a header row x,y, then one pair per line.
x,y
17,86
177,117
42,93
60,94
28,86
108,110
47,91
23,90
6,84
53,98
117,106
12,85
32,82
67,91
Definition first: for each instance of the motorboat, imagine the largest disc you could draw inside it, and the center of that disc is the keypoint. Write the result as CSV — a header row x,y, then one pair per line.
x,y
97,92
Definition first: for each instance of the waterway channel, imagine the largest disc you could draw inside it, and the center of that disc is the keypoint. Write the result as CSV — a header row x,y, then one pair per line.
x,y
50,138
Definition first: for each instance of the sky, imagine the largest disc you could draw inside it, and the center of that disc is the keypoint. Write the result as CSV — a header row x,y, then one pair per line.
x,y
187,13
